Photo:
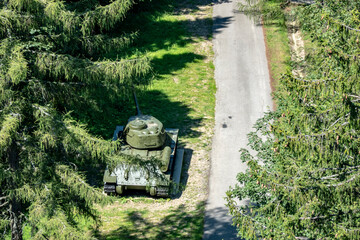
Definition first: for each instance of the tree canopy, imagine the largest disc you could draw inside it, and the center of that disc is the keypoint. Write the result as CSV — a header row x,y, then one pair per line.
x,y
304,180
52,60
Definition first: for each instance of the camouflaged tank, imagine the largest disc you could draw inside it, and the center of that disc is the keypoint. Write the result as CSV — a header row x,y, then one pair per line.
x,y
145,138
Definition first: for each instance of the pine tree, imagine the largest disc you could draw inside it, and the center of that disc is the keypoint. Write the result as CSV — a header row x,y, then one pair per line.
x,y
304,181
51,61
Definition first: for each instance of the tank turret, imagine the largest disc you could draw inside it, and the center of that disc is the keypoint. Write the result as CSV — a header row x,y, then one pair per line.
x,y
144,132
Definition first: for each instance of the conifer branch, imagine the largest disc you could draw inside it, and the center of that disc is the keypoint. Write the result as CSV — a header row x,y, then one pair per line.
x,y
8,127
342,183
252,219
28,6
102,43
3,198
307,136
105,17
57,15
17,69
96,147
330,169
314,80
69,68
45,47
354,96
29,193
12,21
333,177
78,185
344,25
349,230
60,83
4,204
340,118
53,224
340,213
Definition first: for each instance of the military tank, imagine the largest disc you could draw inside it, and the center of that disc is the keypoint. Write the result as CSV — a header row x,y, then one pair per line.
x,y
159,164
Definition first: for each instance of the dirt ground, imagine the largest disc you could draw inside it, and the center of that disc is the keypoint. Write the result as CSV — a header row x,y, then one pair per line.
x,y
297,46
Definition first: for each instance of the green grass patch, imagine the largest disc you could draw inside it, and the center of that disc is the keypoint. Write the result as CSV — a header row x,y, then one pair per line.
x,y
133,223
278,51
183,92
182,95
277,43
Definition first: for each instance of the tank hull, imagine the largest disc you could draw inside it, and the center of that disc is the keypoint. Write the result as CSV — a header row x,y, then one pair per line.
x,y
159,179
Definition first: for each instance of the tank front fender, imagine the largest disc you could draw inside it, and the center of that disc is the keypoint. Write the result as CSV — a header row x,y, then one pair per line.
x,y
108,178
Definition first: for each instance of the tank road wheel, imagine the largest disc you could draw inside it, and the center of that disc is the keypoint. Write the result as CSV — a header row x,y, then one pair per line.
x,y
119,189
153,191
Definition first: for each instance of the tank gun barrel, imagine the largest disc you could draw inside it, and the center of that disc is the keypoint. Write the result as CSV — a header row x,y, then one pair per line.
x,y
138,112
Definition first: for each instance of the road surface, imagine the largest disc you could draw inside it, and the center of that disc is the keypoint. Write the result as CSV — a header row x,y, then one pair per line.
x,y
243,94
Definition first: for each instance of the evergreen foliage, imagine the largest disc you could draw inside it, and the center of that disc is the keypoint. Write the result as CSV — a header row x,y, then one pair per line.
x,y
304,180
50,63
264,11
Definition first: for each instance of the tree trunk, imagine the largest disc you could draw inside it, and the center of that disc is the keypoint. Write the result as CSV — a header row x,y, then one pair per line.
x,y
15,221
16,224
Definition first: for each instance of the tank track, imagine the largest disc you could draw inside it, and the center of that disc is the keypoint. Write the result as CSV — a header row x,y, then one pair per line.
x,y
109,188
162,192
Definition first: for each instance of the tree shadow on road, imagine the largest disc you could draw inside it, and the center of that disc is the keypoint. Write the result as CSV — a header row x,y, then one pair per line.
x,y
217,224
220,23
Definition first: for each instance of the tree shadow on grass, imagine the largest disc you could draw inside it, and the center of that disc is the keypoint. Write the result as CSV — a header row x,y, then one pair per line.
x,y
169,63
157,31
179,223
173,114
104,113
161,34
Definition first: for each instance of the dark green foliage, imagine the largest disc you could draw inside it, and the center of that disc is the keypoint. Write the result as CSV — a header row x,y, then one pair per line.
x,y
52,63
304,181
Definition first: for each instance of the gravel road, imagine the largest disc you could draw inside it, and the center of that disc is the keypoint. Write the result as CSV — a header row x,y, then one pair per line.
x,y
243,94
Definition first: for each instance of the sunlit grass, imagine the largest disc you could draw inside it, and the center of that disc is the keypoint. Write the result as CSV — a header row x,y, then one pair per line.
x,y
182,95
132,223
278,50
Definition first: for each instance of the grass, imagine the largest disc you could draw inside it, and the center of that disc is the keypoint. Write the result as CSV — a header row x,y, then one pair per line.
x,y
134,223
182,95
184,75
277,43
